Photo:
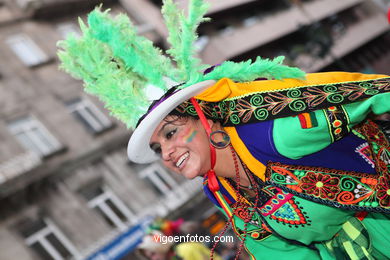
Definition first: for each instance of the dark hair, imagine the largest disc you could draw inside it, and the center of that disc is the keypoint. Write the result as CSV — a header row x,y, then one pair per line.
x,y
156,102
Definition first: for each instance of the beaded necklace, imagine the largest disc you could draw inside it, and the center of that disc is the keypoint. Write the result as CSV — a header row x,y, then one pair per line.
x,y
242,206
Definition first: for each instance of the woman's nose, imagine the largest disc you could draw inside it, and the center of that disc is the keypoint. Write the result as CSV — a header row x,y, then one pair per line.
x,y
166,151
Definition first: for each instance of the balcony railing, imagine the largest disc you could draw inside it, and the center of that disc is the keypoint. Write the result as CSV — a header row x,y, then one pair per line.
x,y
18,165
244,38
352,39
217,5
50,8
320,9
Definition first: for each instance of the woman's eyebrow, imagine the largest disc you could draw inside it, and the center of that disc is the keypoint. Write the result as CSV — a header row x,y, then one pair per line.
x,y
162,128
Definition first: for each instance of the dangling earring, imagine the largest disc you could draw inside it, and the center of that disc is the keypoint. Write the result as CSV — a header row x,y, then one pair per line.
x,y
219,144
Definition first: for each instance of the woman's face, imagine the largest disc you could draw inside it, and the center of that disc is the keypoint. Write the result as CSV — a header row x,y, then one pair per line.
x,y
183,146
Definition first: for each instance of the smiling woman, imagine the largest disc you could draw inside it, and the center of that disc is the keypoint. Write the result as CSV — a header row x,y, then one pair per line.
x,y
293,160
184,147
177,152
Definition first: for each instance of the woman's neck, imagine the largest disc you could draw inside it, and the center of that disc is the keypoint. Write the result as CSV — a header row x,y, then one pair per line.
x,y
226,166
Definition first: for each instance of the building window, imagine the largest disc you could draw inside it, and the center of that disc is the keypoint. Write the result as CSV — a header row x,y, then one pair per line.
x,y
109,206
66,29
34,136
26,50
48,241
26,3
159,179
91,117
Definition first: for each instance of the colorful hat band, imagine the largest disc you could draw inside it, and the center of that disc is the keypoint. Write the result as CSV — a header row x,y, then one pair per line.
x,y
260,106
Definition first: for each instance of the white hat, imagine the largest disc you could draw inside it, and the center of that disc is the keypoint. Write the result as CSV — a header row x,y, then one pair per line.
x,y
138,149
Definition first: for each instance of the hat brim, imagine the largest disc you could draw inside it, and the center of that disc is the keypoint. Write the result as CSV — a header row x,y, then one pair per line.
x,y
138,149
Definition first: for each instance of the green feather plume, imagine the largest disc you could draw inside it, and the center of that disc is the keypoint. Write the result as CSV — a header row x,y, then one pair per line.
x,y
119,88
138,53
117,64
182,38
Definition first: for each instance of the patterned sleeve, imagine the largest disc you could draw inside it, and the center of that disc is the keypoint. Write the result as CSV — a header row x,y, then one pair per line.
x,y
308,133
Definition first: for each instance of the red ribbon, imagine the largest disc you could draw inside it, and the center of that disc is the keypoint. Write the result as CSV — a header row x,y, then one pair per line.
x,y
388,15
212,178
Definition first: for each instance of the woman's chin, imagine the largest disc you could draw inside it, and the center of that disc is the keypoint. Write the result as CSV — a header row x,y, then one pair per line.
x,y
190,175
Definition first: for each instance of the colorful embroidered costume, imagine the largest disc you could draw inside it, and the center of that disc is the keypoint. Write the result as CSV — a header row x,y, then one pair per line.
x,y
322,167
325,172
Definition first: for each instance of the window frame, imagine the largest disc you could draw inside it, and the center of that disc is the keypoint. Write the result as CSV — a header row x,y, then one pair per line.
x,y
26,49
67,28
163,182
100,201
28,125
41,238
91,117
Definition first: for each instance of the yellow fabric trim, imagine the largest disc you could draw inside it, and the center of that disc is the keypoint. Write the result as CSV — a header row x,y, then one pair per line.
x,y
226,88
227,186
253,164
230,189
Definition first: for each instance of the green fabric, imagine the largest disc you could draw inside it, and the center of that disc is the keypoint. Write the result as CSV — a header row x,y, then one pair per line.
x,y
352,240
325,221
294,142
275,247
335,233
378,227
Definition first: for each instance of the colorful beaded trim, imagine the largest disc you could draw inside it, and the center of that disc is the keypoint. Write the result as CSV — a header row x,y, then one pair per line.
x,y
336,188
260,230
365,152
275,202
257,234
338,121
268,105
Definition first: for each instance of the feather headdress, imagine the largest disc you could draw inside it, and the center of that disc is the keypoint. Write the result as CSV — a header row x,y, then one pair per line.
x,y
117,65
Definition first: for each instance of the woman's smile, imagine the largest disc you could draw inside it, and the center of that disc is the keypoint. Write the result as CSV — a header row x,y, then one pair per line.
x,y
182,160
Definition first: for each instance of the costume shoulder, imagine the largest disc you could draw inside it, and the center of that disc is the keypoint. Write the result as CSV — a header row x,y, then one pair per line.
x,y
235,104
227,89
351,98
309,114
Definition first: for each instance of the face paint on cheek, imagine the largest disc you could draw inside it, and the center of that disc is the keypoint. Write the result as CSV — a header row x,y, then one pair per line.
x,y
190,136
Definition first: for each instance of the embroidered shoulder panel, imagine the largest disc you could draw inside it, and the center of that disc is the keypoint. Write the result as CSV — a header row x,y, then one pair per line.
x,y
269,105
349,190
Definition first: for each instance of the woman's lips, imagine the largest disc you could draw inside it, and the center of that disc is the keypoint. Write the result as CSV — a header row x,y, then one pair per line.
x,y
182,159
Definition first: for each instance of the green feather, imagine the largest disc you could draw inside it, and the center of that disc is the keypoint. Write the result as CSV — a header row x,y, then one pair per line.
x,y
138,53
120,89
261,68
182,38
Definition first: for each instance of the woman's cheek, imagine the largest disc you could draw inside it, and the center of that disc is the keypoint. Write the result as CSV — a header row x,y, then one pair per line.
x,y
189,135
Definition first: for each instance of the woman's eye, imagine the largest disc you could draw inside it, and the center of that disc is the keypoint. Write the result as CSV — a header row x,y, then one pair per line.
x,y
170,134
156,148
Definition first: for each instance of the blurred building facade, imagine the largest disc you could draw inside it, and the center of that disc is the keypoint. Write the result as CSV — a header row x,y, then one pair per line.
x,y
66,186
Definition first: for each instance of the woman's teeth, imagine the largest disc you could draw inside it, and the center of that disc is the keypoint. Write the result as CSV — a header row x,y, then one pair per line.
x,y
182,159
